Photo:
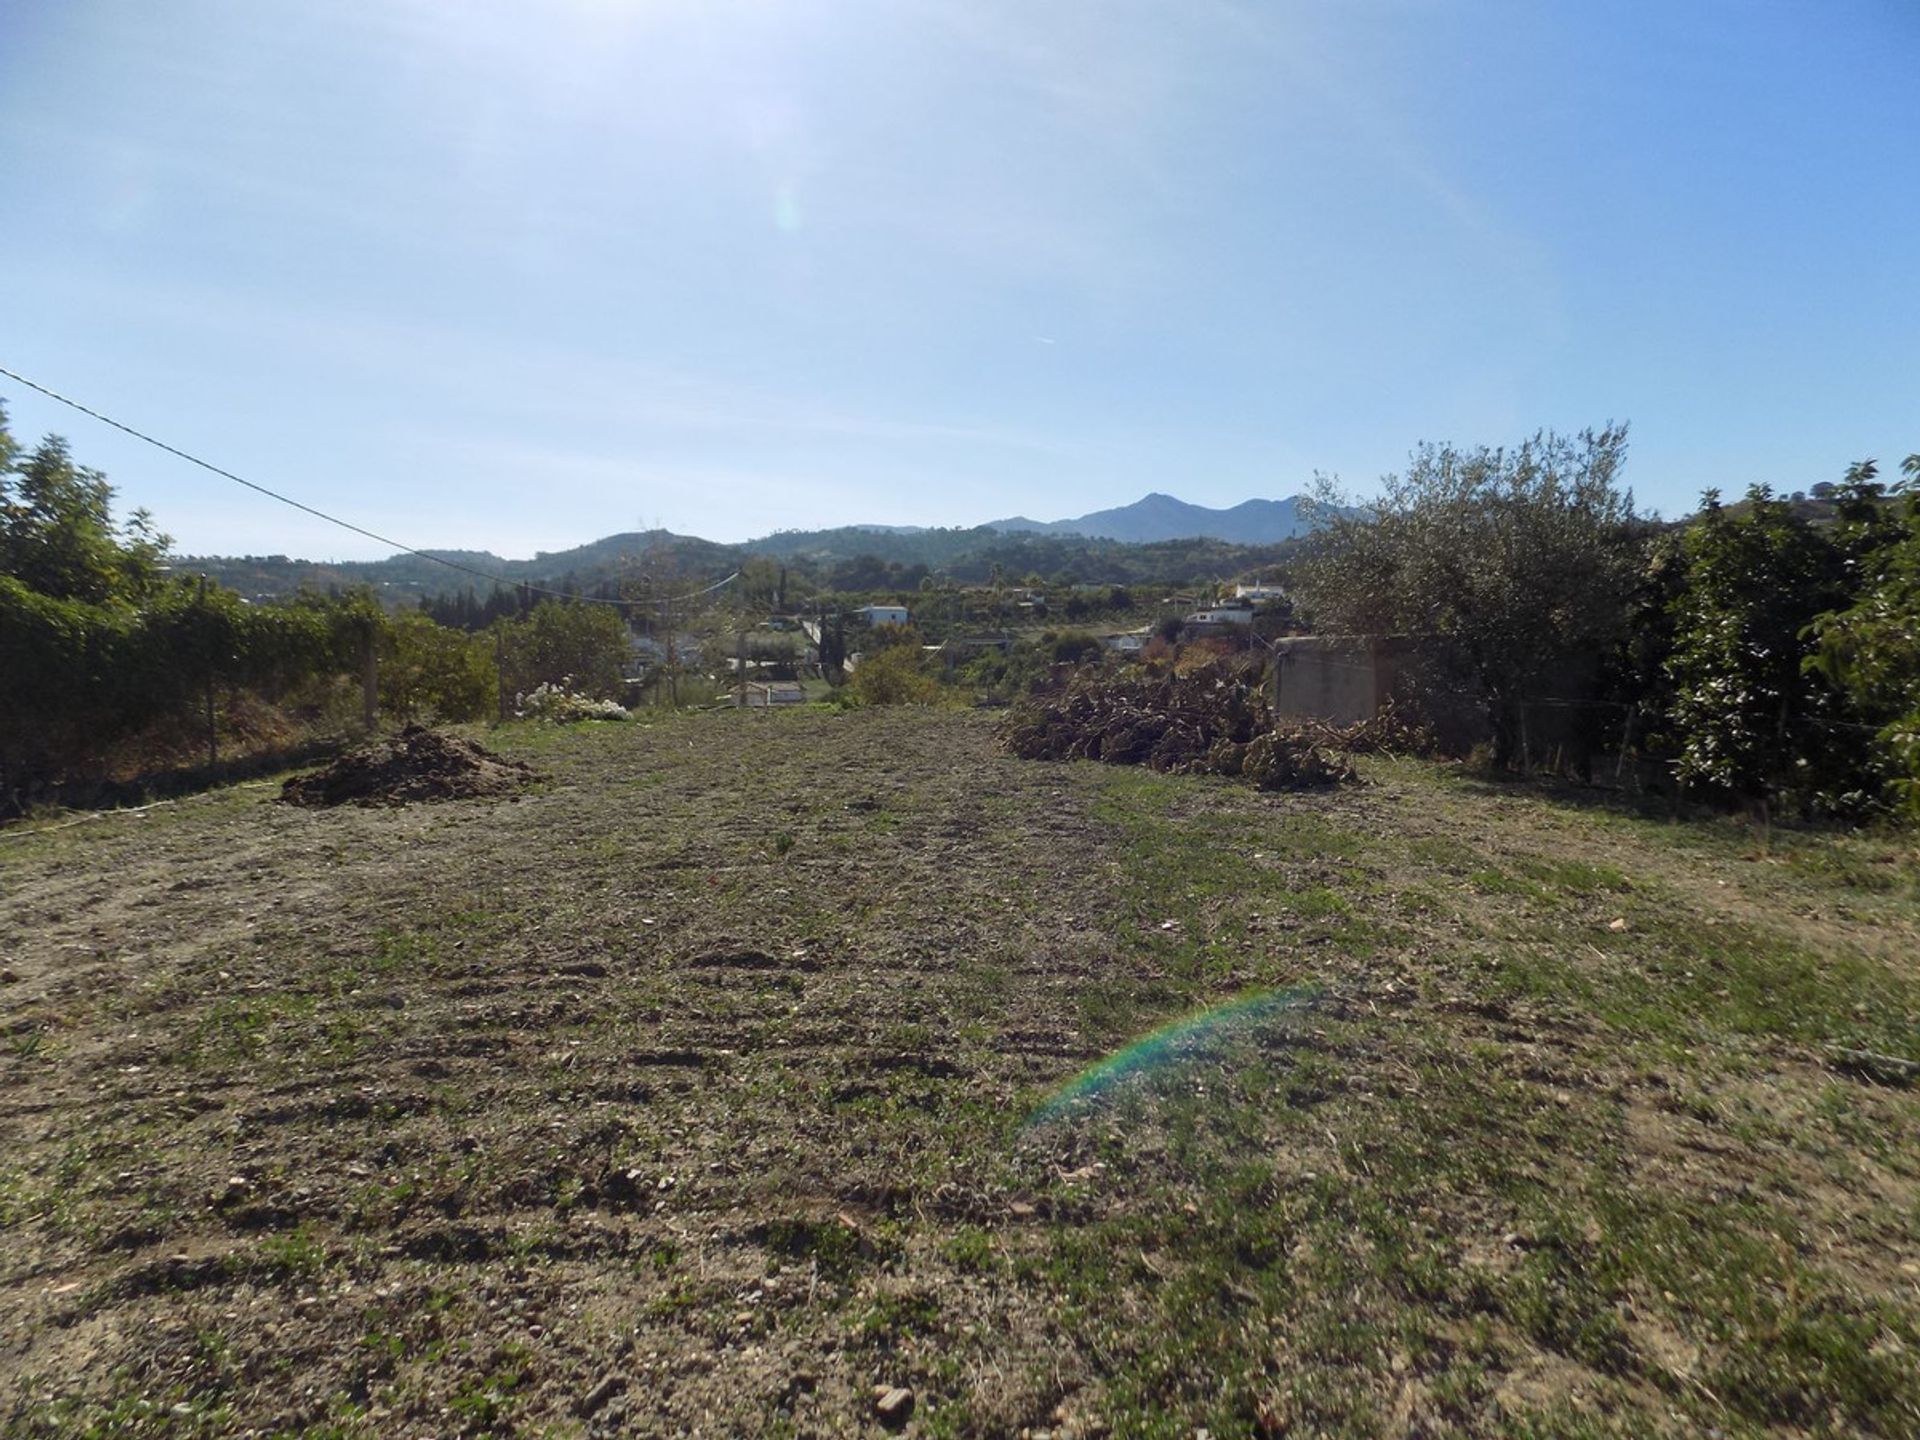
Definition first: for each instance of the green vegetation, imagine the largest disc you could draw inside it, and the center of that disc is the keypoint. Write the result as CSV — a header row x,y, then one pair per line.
x,y
118,666
99,643
1871,648
1509,569
1758,655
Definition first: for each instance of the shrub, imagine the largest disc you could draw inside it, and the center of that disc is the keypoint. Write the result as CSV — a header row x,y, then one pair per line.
x,y
1871,648
436,670
897,675
1751,721
582,647
558,704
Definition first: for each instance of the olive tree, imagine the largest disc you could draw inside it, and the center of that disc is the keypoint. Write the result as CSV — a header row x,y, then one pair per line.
x,y
1508,570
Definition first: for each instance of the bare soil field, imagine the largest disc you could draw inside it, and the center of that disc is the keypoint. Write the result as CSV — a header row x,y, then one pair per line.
x,y
796,1073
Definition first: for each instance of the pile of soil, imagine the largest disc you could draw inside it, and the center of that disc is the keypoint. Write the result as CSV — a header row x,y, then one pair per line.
x,y
416,764
1212,721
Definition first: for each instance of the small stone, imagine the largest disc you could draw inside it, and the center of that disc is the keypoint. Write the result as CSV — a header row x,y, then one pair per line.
x,y
9,977
894,1406
596,1399
1617,924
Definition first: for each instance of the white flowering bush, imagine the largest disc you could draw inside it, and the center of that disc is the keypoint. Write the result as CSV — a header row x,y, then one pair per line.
x,y
560,704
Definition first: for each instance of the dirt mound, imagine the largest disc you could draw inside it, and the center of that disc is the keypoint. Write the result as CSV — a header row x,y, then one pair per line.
x,y
1213,721
416,764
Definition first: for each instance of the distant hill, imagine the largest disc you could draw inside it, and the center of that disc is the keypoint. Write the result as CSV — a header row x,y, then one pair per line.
x,y
1159,540
584,569
1167,517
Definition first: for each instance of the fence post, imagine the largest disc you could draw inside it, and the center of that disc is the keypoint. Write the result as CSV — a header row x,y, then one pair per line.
x,y
369,680
213,728
500,672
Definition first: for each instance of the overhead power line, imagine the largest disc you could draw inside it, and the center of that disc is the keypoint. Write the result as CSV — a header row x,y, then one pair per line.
x,y
224,474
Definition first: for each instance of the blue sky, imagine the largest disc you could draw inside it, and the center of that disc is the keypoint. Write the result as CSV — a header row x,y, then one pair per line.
x,y
513,276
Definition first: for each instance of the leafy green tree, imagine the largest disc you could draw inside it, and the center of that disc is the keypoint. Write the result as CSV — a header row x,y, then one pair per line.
x,y
97,643
1510,569
1071,647
889,637
1751,721
895,675
585,646
57,535
1871,648
436,670
762,584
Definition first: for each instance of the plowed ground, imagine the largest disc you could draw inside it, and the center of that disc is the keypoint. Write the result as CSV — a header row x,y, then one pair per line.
x,y
717,1080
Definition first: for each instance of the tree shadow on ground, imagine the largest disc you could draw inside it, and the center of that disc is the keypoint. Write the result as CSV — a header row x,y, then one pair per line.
x,y
168,784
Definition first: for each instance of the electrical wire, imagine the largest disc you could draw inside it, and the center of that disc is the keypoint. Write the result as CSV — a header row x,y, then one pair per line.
x,y
209,466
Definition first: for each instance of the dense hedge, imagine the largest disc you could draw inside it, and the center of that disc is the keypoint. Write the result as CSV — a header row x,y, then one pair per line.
x,y
82,675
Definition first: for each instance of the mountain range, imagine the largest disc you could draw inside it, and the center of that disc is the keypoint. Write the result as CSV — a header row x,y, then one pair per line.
x,y
1167,517
1159,537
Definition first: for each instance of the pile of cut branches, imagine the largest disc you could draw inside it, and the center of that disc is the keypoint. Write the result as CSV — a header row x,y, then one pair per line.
x,y
1211,721
1387,733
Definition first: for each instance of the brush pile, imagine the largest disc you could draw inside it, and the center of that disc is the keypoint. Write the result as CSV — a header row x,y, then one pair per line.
x,y
1211,721
1388,733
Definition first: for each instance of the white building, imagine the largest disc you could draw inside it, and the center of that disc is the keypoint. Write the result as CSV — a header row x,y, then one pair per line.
x,y
1257,593
1222,615
883,614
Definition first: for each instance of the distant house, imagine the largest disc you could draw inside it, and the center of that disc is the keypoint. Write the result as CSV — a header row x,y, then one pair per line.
x,y
1258,593
1222,616
882,614
757,696
1130,642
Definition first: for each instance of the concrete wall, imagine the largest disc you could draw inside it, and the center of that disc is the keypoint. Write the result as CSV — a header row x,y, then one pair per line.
x,y
1339,679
